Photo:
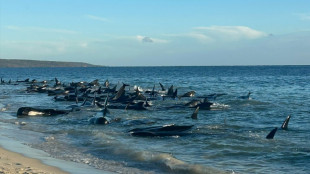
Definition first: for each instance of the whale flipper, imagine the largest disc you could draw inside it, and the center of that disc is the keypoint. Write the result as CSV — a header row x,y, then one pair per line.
x,y
195,114
285,123
272,133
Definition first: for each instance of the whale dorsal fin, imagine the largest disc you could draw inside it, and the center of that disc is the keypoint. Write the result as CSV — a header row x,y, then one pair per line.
x,y
105,109
106,83
195,114
272,133
285,123
120,92
170,91
162,87
175,94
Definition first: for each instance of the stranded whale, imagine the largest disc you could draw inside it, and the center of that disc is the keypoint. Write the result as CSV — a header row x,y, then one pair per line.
x,y
166,130
29,111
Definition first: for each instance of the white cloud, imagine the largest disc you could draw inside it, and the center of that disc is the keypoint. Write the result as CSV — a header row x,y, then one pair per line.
x,y
217,34
150,40
97,18
40,29
229,33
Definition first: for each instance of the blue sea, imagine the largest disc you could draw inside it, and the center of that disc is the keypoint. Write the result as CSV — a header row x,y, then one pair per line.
x,y
229,138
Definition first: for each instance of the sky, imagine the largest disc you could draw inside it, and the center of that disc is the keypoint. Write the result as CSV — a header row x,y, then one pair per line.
x,y
157,32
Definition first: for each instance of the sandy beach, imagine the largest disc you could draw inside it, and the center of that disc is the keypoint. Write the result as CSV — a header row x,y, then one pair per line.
x,y
14,163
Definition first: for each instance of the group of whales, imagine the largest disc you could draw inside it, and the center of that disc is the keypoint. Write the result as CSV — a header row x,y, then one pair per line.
x,y
93,93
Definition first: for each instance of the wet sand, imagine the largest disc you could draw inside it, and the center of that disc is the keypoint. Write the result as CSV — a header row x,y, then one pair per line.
x,y
14,163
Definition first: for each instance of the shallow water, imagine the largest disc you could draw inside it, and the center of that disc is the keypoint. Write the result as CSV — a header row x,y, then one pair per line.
x,y
228,138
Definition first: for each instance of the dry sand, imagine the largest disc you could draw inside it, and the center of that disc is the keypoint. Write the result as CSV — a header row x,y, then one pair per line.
x,y
14,163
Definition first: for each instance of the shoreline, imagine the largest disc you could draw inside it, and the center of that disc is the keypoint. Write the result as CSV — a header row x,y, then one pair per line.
x,y
12,163
16,157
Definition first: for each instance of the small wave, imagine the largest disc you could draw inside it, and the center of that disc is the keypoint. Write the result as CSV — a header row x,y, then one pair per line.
x,y
166,162
4,107
219,106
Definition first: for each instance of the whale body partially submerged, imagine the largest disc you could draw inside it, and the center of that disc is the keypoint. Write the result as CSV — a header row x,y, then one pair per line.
x,y
166,130
30,111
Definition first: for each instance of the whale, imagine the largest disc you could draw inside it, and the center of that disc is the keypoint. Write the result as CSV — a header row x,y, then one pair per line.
x,y
246,96
171,94
204,105
30,111
162,87
26,80
188,94
160,131
192,103
195,114
120,93
99,119
170,91
102,119
135,106
272,133
285,123
106,83
152,93
112,90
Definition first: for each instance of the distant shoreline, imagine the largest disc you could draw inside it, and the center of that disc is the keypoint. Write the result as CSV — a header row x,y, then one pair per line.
x,y
23,63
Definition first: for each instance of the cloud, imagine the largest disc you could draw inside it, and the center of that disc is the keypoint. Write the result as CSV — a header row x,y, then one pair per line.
x,y
147,39
229,32
40,29
97,18
217,34
303,16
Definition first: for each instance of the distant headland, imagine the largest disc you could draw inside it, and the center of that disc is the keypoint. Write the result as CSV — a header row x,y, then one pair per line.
x,y
22,63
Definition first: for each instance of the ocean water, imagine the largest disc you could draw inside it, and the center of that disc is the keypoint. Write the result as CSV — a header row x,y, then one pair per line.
x,y
229,138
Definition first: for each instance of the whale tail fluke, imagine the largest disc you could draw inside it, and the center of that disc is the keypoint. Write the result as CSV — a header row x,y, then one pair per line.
x,y
285,123
272,133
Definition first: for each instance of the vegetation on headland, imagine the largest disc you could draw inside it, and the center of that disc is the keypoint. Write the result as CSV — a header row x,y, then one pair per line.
x,y
19,63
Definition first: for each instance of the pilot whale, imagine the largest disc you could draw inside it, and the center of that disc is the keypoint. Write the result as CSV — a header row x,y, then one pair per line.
x,y
195,114
166,130
102,119
285,123
272,133
30,111
246,96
